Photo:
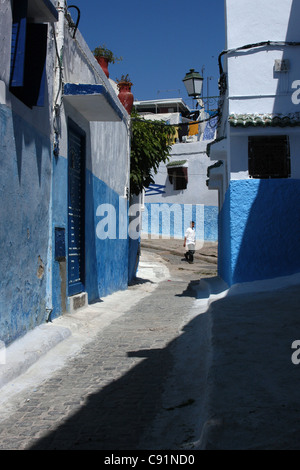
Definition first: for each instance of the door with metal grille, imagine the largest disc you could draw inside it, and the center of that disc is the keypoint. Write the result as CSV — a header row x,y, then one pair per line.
x,y
76,216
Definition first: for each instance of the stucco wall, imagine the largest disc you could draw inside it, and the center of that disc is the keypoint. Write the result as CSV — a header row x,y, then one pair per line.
x,y
262,240
239,149
5,28
265,18
106,259
34,192
110,154
25,175
259,221
171,220
107,177
195,199
25,194
197,191
251,72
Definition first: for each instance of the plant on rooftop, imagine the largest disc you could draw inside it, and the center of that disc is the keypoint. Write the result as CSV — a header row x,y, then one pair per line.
x,y
124,79
103,51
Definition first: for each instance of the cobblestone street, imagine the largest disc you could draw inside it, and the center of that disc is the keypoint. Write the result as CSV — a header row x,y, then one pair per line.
x,y
125,388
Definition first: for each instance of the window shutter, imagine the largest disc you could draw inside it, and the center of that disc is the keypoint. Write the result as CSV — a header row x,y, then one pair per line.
x,y
32,93
18,44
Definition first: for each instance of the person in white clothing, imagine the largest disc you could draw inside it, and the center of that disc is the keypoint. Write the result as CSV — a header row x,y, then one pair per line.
x,y
190,242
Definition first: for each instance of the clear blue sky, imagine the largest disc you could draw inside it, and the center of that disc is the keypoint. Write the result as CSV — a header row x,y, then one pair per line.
x,y
159,40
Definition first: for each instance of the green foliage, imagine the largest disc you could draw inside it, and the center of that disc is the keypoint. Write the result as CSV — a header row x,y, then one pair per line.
x,y
102,51
124,78
150,145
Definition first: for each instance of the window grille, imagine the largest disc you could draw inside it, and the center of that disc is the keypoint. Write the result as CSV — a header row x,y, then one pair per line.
x,y
269,157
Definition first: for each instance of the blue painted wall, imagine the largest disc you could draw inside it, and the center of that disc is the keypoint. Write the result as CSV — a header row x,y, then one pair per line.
x,y
260,230
211,223
155,220
25,175
106,261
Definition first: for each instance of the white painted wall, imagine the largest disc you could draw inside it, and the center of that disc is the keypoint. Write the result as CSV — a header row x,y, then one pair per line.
x,y
197,191
110,154
239,149
5,28
106,142
108,151
256,20
253,85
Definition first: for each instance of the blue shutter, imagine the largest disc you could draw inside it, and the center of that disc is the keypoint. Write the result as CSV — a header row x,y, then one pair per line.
x,y
32,92
28,57
18,43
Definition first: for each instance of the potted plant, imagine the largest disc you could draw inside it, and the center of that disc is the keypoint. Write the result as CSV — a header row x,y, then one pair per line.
x,y
125,95
104,57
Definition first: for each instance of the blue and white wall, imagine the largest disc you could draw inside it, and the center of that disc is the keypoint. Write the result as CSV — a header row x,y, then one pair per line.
x,y
25,190
259,222
25,194
34,190
106,183
106,258
168,212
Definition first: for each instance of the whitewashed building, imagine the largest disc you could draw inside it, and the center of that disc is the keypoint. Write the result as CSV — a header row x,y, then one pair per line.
x,y
258,142
180,193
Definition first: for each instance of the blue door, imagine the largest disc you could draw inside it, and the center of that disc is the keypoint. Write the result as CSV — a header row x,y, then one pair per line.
x,y
76,204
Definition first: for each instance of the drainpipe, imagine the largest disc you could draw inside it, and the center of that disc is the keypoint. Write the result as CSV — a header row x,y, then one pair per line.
x,y
58,37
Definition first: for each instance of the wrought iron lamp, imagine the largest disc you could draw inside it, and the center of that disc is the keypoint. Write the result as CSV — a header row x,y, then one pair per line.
x,y
193,83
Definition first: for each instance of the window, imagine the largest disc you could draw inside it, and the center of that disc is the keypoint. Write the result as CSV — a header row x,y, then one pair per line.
x,y
28,55
269,157
178,176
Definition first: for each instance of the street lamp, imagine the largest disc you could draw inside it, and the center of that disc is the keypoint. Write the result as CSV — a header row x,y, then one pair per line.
x,y
193,83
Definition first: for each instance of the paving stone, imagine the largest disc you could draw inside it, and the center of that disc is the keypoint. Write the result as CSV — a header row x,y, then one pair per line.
x,y
108,396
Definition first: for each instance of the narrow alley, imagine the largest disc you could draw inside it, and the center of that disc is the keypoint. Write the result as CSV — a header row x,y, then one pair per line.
x,y
134,384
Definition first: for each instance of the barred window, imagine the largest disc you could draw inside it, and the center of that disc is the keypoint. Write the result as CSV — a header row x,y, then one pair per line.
x,y
269,157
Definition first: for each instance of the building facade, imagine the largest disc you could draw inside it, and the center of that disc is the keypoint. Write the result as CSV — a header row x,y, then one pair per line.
x,y
257,173
180,193
64,218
